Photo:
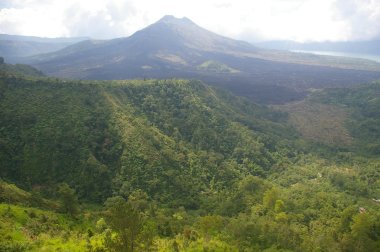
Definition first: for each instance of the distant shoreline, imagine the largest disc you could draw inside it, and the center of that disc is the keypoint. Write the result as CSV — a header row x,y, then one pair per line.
x,y
342,54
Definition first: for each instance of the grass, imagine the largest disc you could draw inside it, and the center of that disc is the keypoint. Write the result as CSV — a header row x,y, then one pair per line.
x,y
41,230
319,122
216,67
12,194
38,227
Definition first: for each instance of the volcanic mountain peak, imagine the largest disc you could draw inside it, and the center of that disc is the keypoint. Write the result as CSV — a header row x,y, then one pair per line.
x,y
169,26
177,47
184,32
170,19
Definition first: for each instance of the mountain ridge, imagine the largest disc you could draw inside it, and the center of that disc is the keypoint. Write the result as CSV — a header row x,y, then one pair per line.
x,y
15,47
178,48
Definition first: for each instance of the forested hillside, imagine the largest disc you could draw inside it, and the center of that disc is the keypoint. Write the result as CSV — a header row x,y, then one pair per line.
x,y
363,103
18,69
174,165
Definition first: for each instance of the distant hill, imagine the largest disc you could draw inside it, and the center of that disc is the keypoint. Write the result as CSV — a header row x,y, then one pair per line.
x,y
344,117
68,40
18,69
179,48
14,47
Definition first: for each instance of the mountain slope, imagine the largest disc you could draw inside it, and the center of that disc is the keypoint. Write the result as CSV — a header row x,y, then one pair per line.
x,y
363,103
346,118
18,69
132,135
189,168
177,44
175,47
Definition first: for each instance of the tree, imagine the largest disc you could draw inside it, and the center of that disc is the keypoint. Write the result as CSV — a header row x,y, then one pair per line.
x,y
210,225
362,230
138,199
269,199
279,206
126,222
69,200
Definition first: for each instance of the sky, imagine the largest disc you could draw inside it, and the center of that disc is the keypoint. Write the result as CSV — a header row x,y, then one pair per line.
x,y
250,20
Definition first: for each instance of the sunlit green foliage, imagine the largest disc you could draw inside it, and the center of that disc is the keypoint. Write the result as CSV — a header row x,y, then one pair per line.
x,y
364,104
174,165
171,138
68,198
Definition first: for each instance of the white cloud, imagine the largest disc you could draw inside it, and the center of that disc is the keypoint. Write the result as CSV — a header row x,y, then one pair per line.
x,y
30,21
255,19
361,18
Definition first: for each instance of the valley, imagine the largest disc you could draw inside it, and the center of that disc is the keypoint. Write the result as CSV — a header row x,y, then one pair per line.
x,y
195,167
176,139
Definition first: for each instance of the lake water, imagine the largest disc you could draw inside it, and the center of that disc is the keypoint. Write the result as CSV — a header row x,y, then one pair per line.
x,y
343,54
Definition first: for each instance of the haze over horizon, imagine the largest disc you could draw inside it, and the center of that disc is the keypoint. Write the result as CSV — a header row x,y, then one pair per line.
x,y
298,20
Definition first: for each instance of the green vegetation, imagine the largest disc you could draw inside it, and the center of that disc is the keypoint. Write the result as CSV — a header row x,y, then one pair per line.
x,y
216,67
137,135
174,165
32,229
364,104
318,122
69,201
18,69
